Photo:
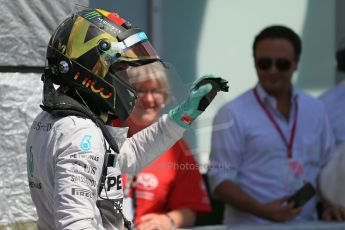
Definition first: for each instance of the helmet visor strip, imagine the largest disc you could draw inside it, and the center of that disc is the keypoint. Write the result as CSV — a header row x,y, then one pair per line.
x,y
135,50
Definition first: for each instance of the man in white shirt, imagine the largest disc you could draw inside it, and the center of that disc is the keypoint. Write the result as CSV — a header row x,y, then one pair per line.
x,y
273,138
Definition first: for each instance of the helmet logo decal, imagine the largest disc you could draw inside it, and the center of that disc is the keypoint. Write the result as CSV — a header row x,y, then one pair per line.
x,y
111,27
142,36
61,48
105,96
106,19
94,89
92,14
87,82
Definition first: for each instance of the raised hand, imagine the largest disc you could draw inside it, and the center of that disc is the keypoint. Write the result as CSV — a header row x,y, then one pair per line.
x,y
201,94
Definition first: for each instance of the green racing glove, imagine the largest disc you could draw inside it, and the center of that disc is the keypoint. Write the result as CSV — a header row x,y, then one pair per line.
x,y
201,94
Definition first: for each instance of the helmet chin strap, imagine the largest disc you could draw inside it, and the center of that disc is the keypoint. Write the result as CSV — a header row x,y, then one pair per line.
x,y
103,115
59,104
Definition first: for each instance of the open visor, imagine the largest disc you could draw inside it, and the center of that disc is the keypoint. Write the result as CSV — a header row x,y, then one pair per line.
x,y
125,80
135,50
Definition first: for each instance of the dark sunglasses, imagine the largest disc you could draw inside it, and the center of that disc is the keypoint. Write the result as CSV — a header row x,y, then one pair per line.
x,y
281,64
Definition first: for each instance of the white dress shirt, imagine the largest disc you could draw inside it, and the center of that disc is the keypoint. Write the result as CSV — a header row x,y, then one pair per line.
x,y
246,141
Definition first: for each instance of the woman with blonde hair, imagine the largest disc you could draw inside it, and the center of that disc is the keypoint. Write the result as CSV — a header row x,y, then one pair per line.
x,y
170,192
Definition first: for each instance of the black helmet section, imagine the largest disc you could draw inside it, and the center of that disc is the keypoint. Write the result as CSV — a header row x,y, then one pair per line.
x,y
126,94
85,51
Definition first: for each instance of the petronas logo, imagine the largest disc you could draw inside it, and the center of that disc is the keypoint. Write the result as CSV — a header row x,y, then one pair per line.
x,y
31,163
92,15
85,143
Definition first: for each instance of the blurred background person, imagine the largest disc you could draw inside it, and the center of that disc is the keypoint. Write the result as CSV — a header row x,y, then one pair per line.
x,y
333,174
334,101
169,193
275,138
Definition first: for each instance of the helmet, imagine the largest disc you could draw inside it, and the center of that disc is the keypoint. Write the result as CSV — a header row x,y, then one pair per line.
x,y
90,51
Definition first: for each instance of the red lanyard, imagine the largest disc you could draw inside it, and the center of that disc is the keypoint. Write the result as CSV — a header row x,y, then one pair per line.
x,y
289,144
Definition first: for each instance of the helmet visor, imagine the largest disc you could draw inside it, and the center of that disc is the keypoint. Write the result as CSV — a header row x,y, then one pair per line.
x,y
135,50
142,53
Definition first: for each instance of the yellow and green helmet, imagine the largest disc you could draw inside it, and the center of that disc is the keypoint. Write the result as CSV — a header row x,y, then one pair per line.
x,y
91,50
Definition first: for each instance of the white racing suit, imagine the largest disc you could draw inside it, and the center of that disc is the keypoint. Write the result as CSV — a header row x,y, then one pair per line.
x,y
65,158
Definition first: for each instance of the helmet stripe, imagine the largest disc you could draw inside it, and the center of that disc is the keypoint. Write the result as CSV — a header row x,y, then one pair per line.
x,y
113,17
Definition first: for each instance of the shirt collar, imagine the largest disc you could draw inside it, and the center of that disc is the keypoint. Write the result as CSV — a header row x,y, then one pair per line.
x,y
264,96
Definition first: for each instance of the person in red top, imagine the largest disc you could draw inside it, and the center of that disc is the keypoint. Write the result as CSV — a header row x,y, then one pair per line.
x,y
170,192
